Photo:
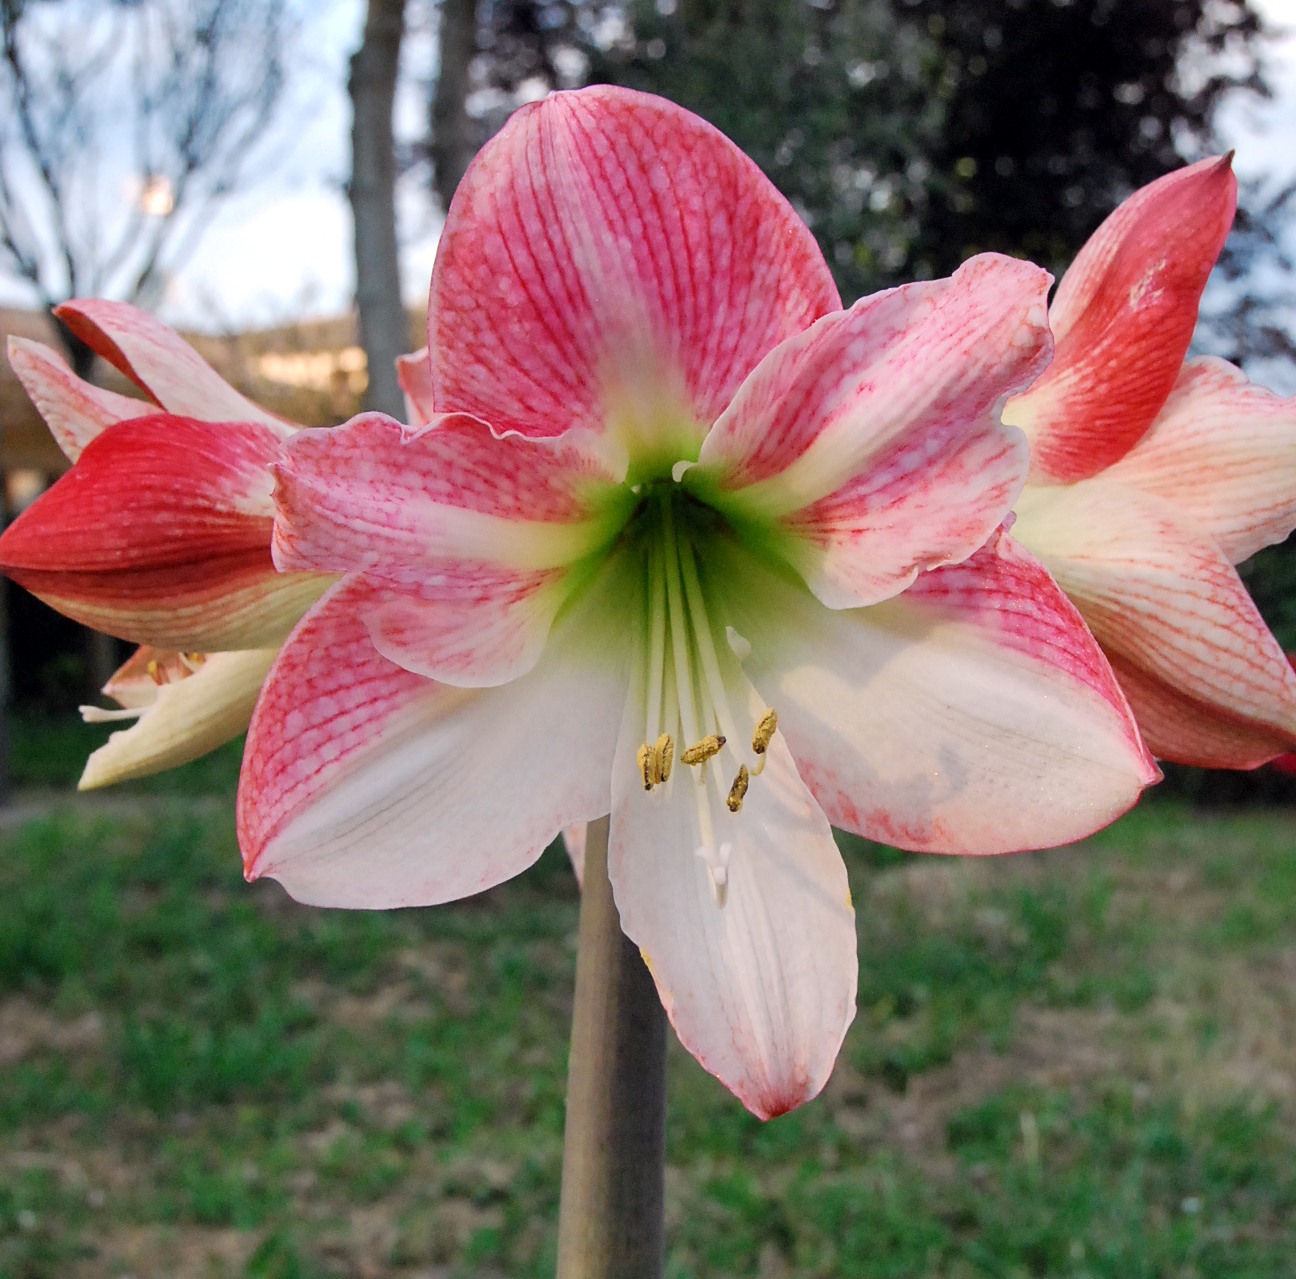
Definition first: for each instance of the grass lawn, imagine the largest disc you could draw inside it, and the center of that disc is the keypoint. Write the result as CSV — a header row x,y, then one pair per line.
x,y
1079,1063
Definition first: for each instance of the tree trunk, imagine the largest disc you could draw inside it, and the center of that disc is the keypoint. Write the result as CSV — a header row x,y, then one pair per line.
x,y
384,331
453,139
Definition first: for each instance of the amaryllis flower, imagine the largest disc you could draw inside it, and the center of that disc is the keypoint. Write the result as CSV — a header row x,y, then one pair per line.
x,y
649,557
1152,477
160,534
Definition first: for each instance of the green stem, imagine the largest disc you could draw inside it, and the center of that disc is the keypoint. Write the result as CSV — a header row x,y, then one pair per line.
x,y
614,1151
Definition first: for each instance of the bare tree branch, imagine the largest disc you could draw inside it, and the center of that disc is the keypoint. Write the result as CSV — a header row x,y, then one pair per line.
x,y
122,127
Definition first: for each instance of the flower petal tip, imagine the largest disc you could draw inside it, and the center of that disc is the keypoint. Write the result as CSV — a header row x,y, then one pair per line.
x,y
1122,319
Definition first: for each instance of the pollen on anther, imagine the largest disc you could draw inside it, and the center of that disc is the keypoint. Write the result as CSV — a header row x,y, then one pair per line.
x,y
655,761
644,756
663,757
702,751
738,790
765,729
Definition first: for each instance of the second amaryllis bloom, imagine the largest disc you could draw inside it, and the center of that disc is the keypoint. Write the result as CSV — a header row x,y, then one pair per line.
x,y
159,534
1152,477
684,542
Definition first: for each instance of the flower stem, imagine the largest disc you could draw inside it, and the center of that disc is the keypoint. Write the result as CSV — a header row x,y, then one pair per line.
x,y
614,1151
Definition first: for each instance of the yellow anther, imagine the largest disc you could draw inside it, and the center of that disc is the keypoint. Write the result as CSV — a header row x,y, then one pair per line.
x,y
764,733
702,751
738,789
645,758
663,757
156,673
655,761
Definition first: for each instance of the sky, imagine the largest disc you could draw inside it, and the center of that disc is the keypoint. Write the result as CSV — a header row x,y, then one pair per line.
x,y
1262,132
281,248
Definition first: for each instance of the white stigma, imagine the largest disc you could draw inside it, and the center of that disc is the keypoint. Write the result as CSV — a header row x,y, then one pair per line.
x,y
717,864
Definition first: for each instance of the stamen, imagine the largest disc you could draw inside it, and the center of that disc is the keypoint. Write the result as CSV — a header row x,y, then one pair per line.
x,y
181,666
705,645
656,639
679,629
739,789
644,756
655,761
663,757
764,733
702,751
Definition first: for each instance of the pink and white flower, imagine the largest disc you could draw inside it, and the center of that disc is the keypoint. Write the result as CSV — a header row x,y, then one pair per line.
x,y
684,542
1152,477
160,533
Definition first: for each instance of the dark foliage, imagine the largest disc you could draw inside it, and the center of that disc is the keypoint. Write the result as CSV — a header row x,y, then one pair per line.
x,y
914,134
834,102
1057,111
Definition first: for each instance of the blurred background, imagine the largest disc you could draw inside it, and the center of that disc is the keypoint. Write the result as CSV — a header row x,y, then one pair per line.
x,y
1076,1063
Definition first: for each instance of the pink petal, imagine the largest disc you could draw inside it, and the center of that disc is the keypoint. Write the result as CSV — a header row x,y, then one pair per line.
x,y
1181,728
874,438
1223,450
75,411
761,989
972,714
161,534
367,786
414,373
472,627
609,254
1122,319
377,496
1169,608
162,363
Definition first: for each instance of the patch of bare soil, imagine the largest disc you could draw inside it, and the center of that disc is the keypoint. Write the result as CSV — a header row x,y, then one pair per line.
x,y
151,1252
26,1028
1219,1029
1052,1048
1226,1027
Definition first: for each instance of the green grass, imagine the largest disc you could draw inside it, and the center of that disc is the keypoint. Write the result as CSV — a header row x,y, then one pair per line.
x,y
1064,1064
